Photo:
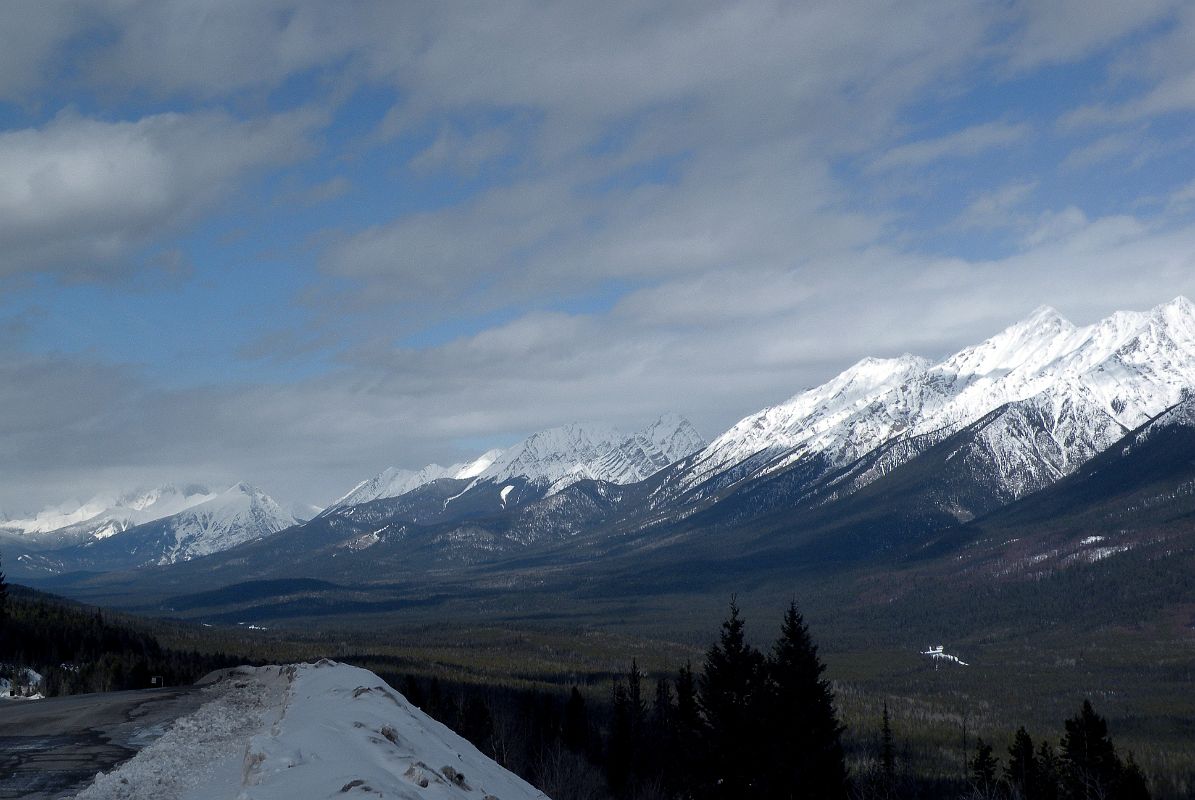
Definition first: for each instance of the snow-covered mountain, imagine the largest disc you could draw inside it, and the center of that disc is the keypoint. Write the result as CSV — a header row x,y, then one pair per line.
x,y
105,516
1085,386
638,456
240,514
395,482
551,460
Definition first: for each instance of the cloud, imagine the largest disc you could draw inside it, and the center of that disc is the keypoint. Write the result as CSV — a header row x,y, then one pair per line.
x,y
961,144
1063,31
80,196
997,208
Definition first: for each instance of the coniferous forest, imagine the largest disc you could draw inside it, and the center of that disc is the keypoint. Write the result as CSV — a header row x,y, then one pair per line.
x,y
743,723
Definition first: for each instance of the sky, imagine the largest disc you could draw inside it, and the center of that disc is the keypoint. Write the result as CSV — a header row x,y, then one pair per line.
x,y
293,242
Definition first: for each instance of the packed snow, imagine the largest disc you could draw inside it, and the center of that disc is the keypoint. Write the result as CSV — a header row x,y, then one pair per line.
x,y
22,683
323,730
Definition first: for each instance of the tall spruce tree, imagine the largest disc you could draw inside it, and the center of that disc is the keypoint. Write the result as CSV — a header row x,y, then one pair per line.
x,y
620,749
1090,767
887,752
1021,772
3,596
575,727
983,766
806,756
1048,774
730,699
1133,785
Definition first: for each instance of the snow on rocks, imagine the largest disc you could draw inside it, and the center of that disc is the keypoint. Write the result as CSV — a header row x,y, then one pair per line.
x,y
1097,381
319,730
938,654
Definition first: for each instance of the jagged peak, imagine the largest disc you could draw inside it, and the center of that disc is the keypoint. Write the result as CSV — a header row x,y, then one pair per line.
x,y
1178,309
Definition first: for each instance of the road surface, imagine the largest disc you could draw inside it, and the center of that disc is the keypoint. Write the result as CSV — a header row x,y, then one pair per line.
x,y
53,748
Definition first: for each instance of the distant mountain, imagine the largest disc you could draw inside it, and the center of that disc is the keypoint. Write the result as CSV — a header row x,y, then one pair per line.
x,y
238,515
393,482
546,462
1096,382
891,459
102,516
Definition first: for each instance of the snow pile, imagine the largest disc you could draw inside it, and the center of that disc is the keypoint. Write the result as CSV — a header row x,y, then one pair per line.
x,y
21,683
308,731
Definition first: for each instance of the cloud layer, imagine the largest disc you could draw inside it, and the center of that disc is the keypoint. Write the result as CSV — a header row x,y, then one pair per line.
x,y
446,226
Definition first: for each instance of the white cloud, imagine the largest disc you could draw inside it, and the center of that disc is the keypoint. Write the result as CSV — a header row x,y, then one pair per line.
x,y
997,208
79,195
960,144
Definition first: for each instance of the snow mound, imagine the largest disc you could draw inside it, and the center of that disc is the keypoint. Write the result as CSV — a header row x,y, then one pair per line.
x,y
319,730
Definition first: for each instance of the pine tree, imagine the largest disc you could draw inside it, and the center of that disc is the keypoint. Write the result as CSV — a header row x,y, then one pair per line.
x,y
728,694
477,724
620,747
3,597
983,766
575,728
806,758
887,752
636,703
1091,768
1046,786
1133,785
1021,771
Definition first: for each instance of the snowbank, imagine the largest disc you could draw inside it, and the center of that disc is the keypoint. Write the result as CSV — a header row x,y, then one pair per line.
x,y
308,731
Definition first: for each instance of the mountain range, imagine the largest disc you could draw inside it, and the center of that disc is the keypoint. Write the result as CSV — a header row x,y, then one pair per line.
x,y
897,455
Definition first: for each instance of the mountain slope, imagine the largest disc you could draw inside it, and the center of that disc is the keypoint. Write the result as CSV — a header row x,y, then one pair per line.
x,y
1124,369
101,516
241,514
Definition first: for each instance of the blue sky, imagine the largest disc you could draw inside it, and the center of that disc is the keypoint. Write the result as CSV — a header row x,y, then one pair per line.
x,y
293,243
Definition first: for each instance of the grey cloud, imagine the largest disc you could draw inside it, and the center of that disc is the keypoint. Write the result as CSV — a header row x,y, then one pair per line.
x,y
967,142
57,206
1061,31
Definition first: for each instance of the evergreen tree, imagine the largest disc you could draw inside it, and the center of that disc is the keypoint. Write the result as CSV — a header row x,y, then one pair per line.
x,y
575,728
1090,766
887,752
477,724
1021,772
620,747
1048,774
3,596
636,704
804,735
1133,785
663,709
983,766
729,697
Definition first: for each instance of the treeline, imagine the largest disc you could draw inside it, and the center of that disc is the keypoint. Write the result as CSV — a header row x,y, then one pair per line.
x,y
76,649
747,724
1085,766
